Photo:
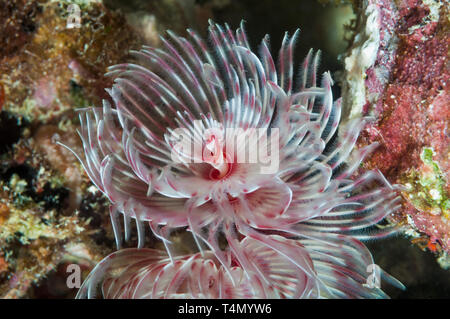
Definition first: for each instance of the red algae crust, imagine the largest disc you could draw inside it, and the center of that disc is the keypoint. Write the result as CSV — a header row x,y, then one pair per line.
x,y
406,90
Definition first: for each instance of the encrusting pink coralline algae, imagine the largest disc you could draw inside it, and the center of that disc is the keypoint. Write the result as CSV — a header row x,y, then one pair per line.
x,y
212,138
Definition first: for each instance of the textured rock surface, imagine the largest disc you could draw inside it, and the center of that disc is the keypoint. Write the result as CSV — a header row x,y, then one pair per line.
x,y
397,71
47,71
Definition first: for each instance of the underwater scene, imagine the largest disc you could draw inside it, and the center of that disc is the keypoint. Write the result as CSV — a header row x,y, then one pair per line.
x,y
224,149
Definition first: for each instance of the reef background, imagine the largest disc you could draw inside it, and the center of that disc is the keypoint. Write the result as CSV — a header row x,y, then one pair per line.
x,y
389,60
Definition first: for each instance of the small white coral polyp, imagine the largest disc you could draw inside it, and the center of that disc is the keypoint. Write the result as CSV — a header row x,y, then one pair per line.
x,y
292,231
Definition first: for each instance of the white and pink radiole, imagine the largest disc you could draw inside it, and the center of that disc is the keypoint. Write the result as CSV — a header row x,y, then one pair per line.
x,y
290,232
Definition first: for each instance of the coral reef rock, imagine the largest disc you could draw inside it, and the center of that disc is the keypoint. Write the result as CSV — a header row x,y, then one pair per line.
x,y
397,71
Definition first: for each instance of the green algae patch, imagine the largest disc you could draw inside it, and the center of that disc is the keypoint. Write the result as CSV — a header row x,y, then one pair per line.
x,y
426,186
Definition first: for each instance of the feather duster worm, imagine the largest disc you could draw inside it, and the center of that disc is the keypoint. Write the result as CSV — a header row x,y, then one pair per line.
x,y
268,273
292,229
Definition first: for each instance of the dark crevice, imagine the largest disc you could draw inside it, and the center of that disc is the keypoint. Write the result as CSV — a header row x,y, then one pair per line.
x,y
10,131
